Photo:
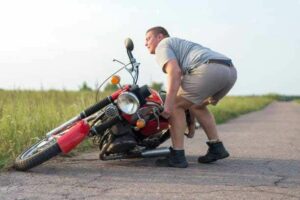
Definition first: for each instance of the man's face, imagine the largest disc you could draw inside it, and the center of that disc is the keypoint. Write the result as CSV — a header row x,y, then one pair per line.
x,y
152,41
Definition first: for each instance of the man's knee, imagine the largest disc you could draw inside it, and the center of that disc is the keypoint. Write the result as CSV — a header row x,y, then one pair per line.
x,y
205,103
200,107
182,103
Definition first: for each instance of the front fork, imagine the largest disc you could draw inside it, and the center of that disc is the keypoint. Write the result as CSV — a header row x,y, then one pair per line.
x,y
72,132
71,137
86,113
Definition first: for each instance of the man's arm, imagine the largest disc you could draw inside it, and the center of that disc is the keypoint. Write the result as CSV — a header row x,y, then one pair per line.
x,y
174,80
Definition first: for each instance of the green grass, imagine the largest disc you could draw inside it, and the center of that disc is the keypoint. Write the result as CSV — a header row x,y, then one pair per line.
x,y
26,116
233,106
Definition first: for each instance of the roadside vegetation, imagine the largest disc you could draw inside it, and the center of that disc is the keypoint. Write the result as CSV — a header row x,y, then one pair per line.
x,y
234,106
26,116
297,101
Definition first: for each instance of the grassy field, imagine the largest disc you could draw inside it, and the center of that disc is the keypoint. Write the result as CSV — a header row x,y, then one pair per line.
x,y
27,115
233,106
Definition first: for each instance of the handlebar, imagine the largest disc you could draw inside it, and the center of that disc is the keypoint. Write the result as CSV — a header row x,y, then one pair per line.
x,y
95,108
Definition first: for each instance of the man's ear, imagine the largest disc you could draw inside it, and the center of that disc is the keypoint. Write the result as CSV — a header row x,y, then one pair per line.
x,y
160,36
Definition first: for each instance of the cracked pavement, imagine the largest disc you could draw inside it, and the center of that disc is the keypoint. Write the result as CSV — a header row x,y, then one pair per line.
x,y
264,164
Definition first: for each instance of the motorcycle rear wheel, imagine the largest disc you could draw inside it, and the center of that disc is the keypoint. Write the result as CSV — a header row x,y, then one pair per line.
x,y
37,154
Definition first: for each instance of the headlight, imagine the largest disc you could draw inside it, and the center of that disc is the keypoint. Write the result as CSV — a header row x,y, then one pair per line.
x,y
128,103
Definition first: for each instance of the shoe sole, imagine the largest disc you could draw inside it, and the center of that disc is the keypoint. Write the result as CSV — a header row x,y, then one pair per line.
x,y
214,160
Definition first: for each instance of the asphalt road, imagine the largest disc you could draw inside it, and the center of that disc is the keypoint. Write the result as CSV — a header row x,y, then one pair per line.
x,y
264,164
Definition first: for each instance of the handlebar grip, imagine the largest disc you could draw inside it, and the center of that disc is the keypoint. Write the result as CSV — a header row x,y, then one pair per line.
x,y
95,108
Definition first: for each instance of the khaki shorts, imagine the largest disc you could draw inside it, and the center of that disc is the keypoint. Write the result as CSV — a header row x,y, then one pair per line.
x,y
207,80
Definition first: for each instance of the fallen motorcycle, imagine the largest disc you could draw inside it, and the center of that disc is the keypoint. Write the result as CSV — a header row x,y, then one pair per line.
x,y
127,124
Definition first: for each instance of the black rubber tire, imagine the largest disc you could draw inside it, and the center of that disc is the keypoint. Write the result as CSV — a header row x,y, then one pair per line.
x,y
36,159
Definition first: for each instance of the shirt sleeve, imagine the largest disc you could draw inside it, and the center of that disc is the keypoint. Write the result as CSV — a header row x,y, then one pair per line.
x,y
163,54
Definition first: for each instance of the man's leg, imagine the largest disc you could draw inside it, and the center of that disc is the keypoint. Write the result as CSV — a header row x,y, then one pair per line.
x,y
177,121
216,149
178,126
207,121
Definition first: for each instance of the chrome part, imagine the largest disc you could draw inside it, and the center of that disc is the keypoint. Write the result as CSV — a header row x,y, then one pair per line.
x,y
111,111
116,60
93,130
90,118
63,126
128,103
164,151
95,116
157,118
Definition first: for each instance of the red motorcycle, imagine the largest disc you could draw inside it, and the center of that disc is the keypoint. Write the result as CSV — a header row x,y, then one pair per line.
x,y
126,124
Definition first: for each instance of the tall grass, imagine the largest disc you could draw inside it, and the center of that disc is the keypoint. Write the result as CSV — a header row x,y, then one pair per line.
x,y
26,116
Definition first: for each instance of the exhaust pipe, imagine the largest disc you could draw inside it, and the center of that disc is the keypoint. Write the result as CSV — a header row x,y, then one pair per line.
x,y
164,151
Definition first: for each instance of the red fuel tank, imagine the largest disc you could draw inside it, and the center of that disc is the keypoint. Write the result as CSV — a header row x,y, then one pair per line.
x,y
155,97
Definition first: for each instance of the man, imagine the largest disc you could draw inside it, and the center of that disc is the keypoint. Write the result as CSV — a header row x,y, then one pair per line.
x,y
196,77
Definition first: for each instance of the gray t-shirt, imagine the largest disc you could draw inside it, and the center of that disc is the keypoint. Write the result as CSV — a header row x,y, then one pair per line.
x,y
188,54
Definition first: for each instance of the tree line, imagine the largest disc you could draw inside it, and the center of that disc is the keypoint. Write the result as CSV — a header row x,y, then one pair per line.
x,y
158,86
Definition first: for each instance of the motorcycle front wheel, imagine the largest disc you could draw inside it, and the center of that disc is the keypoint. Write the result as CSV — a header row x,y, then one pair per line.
x,y
37,154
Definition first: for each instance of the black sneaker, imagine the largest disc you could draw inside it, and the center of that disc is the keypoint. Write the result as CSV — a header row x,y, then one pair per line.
x,y
215,152
175,159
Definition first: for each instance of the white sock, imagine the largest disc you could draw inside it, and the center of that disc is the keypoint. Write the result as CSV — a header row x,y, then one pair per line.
x,y
214,141
177,149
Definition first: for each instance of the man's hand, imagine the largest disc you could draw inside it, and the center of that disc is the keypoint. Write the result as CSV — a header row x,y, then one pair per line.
x,y
191,123
166,112
191,130
165,115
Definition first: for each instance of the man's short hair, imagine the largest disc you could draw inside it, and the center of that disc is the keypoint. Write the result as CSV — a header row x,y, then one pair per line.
x,y
158,30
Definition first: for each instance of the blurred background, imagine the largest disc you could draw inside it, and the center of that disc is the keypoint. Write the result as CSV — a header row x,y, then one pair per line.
x,y
61,44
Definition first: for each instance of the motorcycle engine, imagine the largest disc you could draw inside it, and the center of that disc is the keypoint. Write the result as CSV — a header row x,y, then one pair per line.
x,y
123,140
121,129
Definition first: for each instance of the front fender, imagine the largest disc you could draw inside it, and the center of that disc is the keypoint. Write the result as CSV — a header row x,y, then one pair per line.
x,y
73,136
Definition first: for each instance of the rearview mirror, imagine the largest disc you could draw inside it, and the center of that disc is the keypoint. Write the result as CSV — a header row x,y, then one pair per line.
x,y
129,44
